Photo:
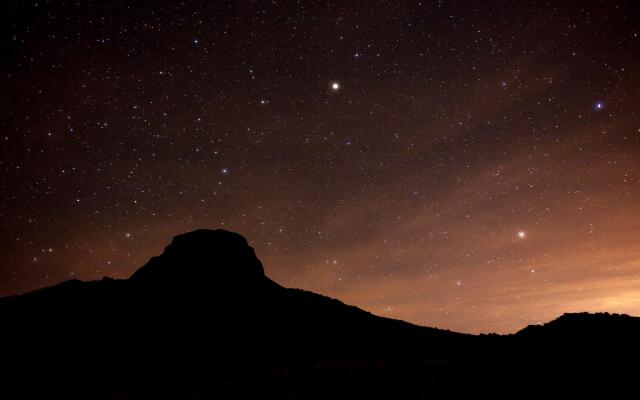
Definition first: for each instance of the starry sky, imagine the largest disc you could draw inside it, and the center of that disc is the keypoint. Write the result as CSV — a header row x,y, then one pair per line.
x,y
469,165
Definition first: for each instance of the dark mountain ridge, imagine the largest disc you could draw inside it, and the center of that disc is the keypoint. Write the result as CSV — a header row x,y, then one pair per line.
x,y
204,316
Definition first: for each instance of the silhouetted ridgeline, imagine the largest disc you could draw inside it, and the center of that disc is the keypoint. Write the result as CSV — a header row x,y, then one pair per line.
x,y
203,321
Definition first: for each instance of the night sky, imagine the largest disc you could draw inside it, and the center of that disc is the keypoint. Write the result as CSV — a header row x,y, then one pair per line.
x,y
472,165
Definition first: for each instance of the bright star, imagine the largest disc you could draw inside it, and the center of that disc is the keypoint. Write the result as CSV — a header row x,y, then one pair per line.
x,y
522,234
599,106
335,86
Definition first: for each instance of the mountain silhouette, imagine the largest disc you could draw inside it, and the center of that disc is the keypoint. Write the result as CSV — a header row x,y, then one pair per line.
x,y
204,259
202,319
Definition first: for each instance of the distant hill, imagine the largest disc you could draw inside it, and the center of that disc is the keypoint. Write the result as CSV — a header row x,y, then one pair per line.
x,y
203,320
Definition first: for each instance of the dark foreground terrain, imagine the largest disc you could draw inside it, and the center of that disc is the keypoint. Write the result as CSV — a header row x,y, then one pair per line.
x,y
202,321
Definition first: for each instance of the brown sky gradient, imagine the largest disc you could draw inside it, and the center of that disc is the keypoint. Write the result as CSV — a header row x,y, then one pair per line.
x,y
455,127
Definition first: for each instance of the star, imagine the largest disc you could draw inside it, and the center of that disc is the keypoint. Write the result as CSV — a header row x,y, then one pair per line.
x,y
599,106
335,86
225,171
522,234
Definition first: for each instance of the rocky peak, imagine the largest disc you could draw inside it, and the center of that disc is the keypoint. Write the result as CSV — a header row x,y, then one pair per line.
x,y
203,257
